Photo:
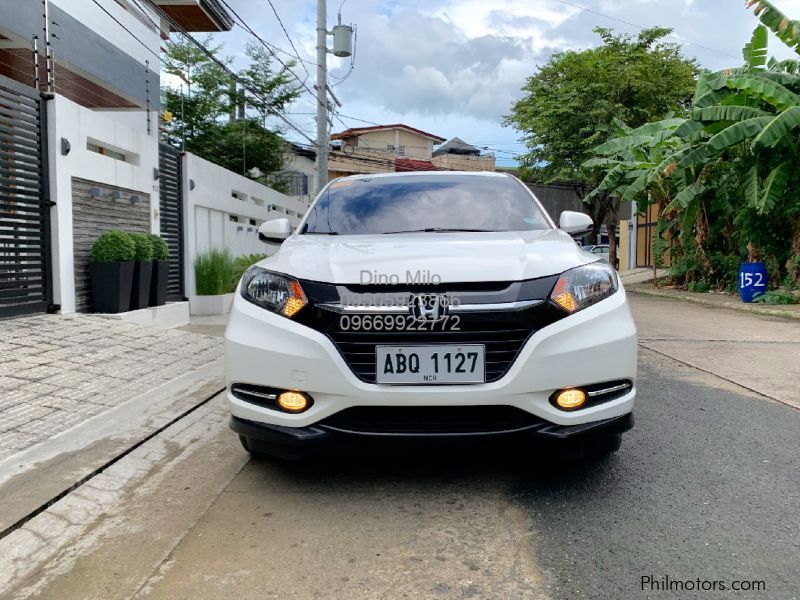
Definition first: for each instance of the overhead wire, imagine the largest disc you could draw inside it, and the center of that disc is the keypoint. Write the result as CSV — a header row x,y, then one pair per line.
x,y
234,76
288,37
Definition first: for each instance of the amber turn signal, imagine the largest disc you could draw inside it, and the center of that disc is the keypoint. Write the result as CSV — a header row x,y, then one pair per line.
x,y
293,402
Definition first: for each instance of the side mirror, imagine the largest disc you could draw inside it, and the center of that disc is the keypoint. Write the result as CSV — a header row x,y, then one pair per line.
x,y
274,231
576,224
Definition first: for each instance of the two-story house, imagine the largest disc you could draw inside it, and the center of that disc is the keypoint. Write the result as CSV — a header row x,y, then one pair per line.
x,y
382,148
80,148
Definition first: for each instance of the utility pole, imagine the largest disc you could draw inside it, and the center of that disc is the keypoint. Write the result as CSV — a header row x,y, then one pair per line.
x,y
322,97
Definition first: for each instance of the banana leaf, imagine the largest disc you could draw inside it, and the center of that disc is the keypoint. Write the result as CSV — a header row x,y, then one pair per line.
x,y
778,129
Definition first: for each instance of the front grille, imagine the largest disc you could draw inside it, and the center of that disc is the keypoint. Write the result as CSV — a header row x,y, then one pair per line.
x,y
502,346
503,334
430,419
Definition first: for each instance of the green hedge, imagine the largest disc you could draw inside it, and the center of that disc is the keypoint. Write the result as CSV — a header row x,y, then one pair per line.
x,y
114,246
160,249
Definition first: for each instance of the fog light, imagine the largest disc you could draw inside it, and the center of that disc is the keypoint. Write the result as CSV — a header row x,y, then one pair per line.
x,y
570,399
293,401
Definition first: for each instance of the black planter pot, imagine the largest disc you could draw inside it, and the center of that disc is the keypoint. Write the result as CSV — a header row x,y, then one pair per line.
x,y
111,286
140,291
158,283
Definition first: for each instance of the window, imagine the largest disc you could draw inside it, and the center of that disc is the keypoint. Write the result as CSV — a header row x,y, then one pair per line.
x,y
419,202
238,195
401,151
233,218
390,148
297,183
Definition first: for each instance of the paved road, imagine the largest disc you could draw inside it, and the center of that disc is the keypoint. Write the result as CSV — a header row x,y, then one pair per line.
x,y
707,486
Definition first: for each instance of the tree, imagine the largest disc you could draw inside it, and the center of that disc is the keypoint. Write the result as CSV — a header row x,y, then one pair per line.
x,y
570,103
207,112
728,170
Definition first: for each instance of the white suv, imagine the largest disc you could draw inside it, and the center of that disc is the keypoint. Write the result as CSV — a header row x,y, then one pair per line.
x,y
443,305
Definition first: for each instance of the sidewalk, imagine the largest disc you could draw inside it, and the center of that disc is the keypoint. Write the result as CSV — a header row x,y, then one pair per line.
x,y
57,371
787,311
76,391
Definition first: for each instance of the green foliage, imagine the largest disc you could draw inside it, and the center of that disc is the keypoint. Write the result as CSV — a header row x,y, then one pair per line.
x,y
113,246
724,179
160,248
777,297
213,272
143,245
571,101
205,108
788,31
242,263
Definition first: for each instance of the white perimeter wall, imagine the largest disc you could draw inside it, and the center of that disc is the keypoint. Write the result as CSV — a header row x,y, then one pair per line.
x,y
209,204
66,119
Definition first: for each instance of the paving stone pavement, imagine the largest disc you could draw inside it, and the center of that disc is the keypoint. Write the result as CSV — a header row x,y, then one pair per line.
x,y
56,371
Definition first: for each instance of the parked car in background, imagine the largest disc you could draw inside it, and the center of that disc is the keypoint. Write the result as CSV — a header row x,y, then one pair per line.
x,y
437,306
602,251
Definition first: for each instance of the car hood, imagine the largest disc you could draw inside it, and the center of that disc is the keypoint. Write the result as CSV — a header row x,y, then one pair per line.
x,y
427,257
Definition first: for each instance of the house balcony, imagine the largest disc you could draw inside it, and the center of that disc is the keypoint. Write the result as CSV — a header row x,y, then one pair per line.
x,y
197,15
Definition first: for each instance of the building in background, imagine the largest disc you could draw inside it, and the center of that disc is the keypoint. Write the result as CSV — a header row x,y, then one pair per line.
x,y
458,155
80,152
376,149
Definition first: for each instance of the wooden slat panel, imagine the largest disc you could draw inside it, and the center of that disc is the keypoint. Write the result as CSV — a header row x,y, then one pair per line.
x,y
93,216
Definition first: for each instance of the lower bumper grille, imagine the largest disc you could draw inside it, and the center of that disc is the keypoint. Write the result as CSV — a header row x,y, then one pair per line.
x,y
430,419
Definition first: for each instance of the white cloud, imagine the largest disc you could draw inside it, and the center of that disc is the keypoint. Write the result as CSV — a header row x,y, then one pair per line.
x,y
455,66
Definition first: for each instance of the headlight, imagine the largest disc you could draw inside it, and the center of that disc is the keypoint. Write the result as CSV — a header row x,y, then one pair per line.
x,y
581,287
273,291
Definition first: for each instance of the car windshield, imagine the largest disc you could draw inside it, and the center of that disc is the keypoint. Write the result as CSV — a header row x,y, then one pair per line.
x,y
433,203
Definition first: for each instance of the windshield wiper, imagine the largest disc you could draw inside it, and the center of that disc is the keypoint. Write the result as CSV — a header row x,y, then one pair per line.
x,y
440,230
320,233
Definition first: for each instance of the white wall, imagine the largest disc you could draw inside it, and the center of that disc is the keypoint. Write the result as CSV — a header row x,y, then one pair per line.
x,y
66,119
88,13
210,204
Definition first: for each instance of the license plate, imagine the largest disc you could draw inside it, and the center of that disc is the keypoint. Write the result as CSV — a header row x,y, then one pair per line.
x,y
435,364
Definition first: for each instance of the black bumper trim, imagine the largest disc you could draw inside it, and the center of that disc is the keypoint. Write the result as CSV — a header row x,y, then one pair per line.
x,y
294,441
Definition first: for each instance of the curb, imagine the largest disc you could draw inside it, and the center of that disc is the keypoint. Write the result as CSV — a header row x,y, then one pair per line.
x,y
740,306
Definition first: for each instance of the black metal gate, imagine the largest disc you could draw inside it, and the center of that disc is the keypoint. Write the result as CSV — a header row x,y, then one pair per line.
x,y
24,203
171,201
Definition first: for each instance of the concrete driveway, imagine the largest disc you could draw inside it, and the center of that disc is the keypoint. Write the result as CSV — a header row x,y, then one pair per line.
x,y
703,492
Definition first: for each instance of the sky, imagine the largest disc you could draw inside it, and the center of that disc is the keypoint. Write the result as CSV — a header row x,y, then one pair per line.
x,y
454,67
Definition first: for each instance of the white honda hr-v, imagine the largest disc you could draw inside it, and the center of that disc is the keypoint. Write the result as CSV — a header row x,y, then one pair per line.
x,y
435,307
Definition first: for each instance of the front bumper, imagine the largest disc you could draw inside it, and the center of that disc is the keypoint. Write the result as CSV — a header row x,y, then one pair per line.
x,y
595,345
297,442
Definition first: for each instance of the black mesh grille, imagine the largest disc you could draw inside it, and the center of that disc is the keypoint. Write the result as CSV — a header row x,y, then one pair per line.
x,y
430,419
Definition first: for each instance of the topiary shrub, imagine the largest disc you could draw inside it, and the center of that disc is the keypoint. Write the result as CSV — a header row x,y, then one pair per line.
x,y
160,248
213,272
144,247
113,246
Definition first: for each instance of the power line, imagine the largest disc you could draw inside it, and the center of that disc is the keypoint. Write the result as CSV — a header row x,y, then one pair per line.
x,y
640,27
228,71
286,33
145,46
269,48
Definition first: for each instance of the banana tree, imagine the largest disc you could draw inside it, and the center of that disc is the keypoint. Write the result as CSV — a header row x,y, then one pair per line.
x,y
642,165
